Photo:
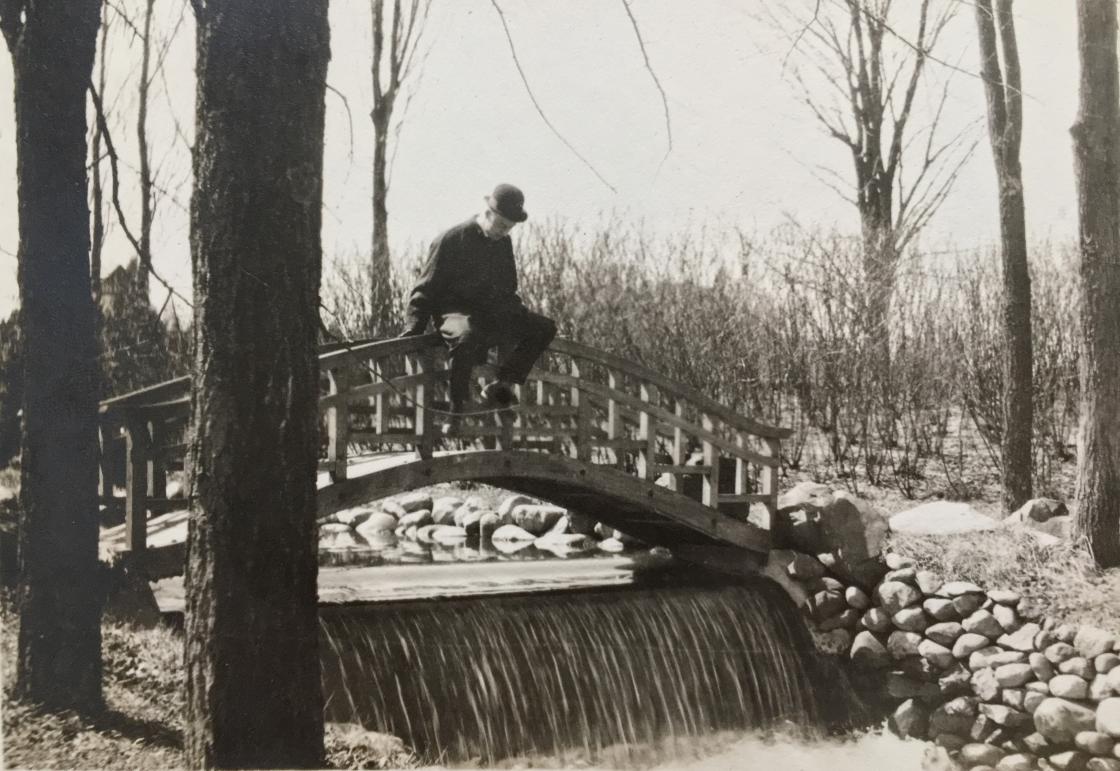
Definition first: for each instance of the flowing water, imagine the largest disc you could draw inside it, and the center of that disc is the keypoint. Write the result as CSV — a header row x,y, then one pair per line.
x,y
487,680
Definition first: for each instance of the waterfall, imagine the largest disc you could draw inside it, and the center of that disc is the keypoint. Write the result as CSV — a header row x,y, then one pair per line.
x,y
492,678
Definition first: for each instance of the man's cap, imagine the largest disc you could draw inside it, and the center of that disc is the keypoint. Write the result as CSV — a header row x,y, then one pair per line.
x,y
509,202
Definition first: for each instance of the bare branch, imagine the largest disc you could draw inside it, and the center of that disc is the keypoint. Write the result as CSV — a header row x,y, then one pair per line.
x,y
145,264
801,33
161,57
653,76
911,89
136,33
835,128
349,121
536,104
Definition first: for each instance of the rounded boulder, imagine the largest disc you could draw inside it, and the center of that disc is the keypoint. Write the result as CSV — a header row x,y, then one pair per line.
x,y
1060,720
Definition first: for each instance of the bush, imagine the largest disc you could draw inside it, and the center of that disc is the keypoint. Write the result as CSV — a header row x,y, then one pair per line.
x,y
777,328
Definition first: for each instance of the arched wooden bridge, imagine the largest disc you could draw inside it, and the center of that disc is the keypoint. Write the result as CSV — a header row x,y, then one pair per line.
x,y
592,432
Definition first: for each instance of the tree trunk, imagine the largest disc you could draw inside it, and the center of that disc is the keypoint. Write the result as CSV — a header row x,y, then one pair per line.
x,y
380,271
253,686
1096,140
380,197
1003,90
59,660
145,256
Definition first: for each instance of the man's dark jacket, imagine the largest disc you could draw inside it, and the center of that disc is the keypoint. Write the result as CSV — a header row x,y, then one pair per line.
x,y
466,273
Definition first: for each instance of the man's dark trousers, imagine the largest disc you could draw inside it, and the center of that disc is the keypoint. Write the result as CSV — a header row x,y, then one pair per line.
x,y
520,335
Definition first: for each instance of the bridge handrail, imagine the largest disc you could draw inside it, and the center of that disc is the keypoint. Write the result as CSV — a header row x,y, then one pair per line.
x,y
690,394
404,345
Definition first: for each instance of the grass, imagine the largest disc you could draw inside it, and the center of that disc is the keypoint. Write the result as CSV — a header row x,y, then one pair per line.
x,y
1062,577
141,726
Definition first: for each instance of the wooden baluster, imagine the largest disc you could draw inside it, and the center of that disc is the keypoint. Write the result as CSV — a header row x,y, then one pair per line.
x,y
338,424
742,483
423,423
507,419
677,450
583,420
137,447
769,479
614,421
540,397
647,430
709,491
379,423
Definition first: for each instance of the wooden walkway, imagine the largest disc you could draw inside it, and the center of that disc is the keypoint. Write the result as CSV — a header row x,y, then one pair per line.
x,y
592,432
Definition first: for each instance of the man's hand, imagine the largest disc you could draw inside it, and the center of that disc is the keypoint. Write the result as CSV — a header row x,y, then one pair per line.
x,y
415,330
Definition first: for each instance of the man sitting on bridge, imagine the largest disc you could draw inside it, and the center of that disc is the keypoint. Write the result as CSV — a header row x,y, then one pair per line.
x,y
469,288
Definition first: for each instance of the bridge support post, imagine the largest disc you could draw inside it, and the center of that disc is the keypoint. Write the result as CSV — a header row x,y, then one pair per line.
x,y
137,451
338,424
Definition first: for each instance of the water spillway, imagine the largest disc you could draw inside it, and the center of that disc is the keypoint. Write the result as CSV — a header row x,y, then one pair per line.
x,y
508,676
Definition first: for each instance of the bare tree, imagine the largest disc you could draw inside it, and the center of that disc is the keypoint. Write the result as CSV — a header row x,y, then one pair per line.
x,y
59,658
1003,88
397,33
253,686
1096,143
859,76
146,182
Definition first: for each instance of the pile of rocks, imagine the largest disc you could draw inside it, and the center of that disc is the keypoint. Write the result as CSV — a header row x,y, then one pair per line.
x,y
517,522
980,672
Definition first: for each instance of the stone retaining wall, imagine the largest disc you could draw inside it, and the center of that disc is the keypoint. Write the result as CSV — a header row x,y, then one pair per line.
x,y
978,671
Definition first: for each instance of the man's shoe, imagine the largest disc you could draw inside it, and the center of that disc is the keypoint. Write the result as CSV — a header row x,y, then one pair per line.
x,y
499,394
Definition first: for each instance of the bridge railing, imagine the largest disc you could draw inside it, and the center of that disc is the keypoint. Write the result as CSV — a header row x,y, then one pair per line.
x,y
392,395
579,401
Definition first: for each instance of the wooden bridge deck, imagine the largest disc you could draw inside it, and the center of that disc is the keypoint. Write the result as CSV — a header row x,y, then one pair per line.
x,y
592,432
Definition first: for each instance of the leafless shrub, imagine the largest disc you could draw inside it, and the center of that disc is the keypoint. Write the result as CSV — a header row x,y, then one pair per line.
x,y
778,328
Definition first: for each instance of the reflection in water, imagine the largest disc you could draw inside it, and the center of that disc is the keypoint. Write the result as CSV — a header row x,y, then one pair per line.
x,y
490,679
388,549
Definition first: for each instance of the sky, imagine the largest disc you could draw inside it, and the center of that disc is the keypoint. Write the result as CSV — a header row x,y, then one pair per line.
x,y
746,152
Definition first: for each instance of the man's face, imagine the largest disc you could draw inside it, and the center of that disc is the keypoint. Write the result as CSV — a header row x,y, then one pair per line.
x,y
494,225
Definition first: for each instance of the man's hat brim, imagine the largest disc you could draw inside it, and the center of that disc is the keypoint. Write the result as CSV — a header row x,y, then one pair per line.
x,y
519,215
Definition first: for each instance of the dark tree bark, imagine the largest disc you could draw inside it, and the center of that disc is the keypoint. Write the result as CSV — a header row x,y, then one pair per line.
x,y
1096,142
253,687
1003,89
52,46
